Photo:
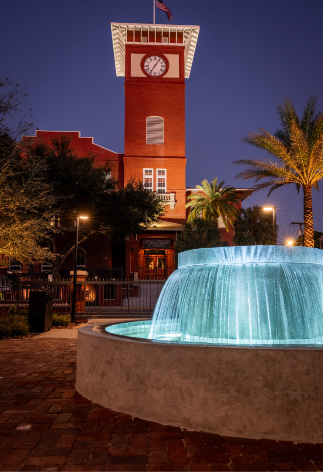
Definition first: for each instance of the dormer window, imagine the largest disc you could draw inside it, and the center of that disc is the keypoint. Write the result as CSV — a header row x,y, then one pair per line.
x,y
154,130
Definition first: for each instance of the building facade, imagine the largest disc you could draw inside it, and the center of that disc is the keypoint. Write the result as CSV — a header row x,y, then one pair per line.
x,y
154,60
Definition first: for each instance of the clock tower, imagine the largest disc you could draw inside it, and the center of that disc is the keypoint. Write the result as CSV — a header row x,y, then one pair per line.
x,y
155,61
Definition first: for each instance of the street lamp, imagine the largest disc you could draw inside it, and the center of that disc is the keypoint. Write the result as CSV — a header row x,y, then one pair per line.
x,y
75,265
273,209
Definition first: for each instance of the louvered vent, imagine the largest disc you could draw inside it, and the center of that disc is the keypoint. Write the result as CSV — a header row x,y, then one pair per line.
x,y
155,130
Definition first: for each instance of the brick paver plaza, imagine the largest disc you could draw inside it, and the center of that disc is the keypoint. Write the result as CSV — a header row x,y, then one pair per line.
x,y
46,425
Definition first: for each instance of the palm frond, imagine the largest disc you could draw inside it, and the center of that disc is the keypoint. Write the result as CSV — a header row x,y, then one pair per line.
x,y
308,116
287,115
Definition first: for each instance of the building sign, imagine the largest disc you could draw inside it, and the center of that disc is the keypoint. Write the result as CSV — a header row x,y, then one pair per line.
x,y
156,243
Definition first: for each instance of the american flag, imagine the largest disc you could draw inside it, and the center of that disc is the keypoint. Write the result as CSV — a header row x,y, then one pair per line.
x,y
161,5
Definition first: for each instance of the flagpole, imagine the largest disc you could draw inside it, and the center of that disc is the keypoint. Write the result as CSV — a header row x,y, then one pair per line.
x,y
154,2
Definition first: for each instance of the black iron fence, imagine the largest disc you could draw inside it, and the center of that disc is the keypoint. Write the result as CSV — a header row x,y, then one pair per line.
x,y
93,297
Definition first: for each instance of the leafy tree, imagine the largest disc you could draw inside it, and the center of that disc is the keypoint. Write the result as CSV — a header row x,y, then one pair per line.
x,y
298,147
81,187
201,233
253,226
25,197
215,201
13,124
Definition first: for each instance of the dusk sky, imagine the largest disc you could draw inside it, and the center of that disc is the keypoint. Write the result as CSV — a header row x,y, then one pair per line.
x,y
250,55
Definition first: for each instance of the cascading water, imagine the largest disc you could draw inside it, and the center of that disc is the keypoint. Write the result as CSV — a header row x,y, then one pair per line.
x,y
249,295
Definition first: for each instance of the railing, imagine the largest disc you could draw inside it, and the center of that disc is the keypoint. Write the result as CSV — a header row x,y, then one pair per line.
x,y
93,297
169,199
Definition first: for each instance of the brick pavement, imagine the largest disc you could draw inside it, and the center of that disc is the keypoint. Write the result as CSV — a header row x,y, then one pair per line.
x,y
46,425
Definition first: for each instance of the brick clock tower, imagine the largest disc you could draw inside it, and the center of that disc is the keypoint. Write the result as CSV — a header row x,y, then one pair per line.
x,y
155,61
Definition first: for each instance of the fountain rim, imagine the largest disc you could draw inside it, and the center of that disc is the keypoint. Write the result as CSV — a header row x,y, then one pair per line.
x,y
100,329
257,254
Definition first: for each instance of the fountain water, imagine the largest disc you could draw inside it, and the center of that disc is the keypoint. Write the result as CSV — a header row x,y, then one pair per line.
x,y
251,295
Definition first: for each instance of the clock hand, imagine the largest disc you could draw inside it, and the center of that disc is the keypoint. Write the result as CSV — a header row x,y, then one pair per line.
x,y
154,66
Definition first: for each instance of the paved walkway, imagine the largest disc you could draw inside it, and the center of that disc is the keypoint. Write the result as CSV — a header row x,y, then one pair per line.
x,y
46,425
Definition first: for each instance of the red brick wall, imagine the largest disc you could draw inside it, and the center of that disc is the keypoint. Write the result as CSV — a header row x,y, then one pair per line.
x,y
166,100
133,167
83,147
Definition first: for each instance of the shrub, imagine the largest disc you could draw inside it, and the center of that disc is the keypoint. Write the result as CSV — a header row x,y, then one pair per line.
x,y
61,320
13,325
13,311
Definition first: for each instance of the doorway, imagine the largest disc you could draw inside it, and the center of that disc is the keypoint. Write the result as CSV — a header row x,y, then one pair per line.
x,y
155,266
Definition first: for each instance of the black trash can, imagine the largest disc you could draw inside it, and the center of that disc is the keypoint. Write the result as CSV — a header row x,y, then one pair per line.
x,y
40,310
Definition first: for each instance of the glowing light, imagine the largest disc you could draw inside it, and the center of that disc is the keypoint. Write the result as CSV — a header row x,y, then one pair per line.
x,y
290,242
83,217
268,208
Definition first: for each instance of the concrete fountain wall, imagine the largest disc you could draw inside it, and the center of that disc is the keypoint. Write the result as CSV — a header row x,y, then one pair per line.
x,y
254,392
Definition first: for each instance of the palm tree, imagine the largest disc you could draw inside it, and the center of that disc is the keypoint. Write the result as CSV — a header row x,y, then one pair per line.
x,y
298,146
215,201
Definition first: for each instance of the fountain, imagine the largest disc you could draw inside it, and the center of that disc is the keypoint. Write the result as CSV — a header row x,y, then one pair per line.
x,y
234,347
252,295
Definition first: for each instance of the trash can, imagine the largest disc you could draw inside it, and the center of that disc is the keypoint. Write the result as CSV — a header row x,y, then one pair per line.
x,y
40,310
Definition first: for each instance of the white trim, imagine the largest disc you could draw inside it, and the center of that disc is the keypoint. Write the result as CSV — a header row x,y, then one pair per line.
x,y
119,40
79,136
150,176
157,187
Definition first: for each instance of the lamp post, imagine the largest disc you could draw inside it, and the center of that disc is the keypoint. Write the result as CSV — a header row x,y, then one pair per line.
x,y
273,209
75,266
300,231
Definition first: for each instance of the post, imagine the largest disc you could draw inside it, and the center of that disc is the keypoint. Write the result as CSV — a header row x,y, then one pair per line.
x,y
154,2
274,226
75,270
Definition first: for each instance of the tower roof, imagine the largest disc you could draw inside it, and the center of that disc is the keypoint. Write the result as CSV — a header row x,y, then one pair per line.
x,y
136,33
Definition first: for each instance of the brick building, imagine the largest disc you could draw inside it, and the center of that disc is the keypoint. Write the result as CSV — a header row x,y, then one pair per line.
x,y
155,61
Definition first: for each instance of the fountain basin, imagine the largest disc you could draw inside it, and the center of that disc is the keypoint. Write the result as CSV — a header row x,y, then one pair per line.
x,y
255,392
248,356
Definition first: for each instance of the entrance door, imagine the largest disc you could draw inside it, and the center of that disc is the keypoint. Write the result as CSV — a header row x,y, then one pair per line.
x,y
155,266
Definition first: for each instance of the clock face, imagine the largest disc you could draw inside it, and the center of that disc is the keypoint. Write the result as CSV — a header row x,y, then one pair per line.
x,y
155,66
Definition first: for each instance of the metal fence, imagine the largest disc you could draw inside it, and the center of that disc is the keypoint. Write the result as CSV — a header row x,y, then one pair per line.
x,y
93,297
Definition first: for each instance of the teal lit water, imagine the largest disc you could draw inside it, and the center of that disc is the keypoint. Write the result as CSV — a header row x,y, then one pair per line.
x,y
248,295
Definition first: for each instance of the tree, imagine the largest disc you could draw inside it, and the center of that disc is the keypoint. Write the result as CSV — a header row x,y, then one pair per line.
x,y
253,226
201,233
298,147
81,187
215,201
25,197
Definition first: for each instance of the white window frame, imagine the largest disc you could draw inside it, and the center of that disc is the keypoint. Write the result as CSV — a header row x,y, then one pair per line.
x,y
150,176
47,267
154,140
14,266
157,186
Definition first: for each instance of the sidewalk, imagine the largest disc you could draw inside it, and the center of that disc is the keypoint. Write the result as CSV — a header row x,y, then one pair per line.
x,y
46,425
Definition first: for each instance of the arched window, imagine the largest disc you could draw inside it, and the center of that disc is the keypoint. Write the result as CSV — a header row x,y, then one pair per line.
x,y
81,258
154,130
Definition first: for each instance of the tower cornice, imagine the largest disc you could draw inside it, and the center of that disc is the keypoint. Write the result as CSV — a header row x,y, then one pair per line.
x,y
148,34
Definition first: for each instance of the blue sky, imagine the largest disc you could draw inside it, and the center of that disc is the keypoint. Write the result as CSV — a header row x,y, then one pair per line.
x,y
249,57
